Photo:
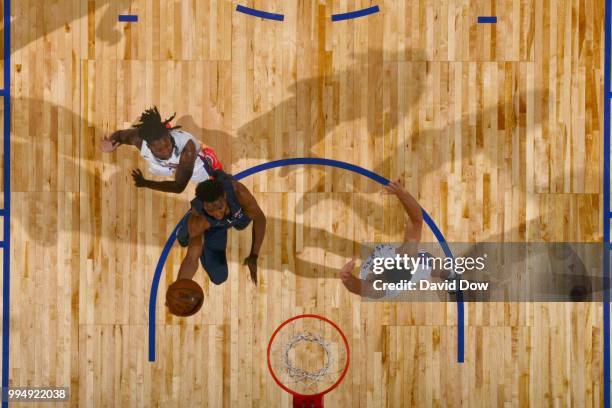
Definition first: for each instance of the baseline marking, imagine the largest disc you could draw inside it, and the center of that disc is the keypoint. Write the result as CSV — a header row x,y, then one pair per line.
x,y
6,251
289,162
606,210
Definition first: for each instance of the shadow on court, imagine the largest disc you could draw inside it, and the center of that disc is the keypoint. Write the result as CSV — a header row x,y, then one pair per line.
x,y
317,106
93,197
32,23
430,150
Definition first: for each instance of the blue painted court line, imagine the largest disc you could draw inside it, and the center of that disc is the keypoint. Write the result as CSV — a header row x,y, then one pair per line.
x,y
156,277
487,19
128,18
290,162
606,318
259,13
355,14
606,204
6,264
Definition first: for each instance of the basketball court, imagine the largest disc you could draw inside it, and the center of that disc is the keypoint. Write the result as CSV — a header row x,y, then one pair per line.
x,y
495,115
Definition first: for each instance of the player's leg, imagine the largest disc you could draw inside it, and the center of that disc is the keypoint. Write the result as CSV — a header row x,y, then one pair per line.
x,y
210,159
214,259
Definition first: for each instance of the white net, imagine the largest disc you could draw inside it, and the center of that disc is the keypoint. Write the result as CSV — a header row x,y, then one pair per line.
x,y
308,355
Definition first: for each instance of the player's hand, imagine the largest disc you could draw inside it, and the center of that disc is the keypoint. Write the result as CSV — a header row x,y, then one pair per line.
x,y
347,270
109,143
395,187
251,262
139,179
348,279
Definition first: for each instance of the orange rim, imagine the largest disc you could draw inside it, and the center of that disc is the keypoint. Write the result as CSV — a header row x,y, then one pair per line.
x,y
344,340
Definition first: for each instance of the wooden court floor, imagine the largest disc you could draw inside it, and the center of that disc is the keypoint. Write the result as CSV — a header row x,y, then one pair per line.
x,y
496,129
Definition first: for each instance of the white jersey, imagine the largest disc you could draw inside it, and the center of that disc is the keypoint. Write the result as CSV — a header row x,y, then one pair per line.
x,y
168,167
389,251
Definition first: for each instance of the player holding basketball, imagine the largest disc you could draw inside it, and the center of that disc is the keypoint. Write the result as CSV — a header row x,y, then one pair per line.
x,y
169,152
220,204
364,286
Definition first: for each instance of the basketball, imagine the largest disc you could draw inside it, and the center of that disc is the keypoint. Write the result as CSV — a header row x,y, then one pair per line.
x,y
184,297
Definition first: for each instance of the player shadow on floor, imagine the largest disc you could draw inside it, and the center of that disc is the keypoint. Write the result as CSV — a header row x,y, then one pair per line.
x,y
61,14
273,134
113,226
99,189
473,133
535,271
220,141
91,169
275,257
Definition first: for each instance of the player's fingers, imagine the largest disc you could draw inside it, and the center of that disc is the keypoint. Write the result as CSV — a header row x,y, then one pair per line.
x,y
348,264
347,270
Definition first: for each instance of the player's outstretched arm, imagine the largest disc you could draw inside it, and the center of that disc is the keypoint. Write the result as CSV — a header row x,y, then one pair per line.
x,y
183,174
361,287
252,209
196,226
121,137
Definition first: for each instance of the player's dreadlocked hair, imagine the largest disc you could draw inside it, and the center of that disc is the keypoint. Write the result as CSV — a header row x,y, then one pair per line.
x,y
151,127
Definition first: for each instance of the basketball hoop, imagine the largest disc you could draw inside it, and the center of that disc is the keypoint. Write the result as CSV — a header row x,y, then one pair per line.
x,y
308,356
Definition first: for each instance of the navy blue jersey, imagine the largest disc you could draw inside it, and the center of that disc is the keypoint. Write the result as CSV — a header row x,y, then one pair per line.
x,y
236,218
